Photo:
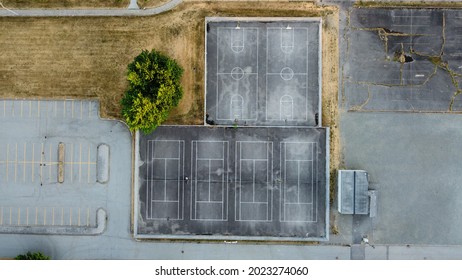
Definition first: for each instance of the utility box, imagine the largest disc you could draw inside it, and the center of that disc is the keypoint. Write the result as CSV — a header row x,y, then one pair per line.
x,y
353,194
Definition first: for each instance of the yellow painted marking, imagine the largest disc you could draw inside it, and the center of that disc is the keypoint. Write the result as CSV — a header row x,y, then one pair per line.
x,y
27,216
36,215
88,216
10,215
19,216
38,108
24,164
80,162
70,216
16,164
81,109
7,159
79,218
22,103
32,165
72,108
64,109
30,109
88,165
62,215
44,216
53,216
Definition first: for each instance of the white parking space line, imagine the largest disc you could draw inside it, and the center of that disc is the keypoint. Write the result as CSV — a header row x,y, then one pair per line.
x,y
53,216
44,216
36,215
70,216
38,108
27,216
10,215
62,216
1,216
19,216
22,103
79,218
72,110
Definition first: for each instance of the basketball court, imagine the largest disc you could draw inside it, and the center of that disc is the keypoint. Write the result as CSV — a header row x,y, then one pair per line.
x,y
263,71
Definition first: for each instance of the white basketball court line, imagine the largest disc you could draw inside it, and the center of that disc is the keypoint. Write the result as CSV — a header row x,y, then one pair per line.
x,y
222,172
151,200
269,178
237,45
284,160
286,73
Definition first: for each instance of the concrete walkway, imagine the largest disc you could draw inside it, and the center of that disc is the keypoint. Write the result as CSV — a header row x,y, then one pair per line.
x,y
133,10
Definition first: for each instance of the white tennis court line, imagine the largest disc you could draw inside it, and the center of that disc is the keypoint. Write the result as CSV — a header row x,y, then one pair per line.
x,y
150,147
224,180
269,174
283,201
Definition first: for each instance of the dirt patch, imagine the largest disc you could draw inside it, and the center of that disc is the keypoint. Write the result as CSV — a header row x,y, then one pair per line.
x,y
57,4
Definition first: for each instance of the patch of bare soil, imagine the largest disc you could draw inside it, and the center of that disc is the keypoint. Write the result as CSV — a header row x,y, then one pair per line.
x,y
64,4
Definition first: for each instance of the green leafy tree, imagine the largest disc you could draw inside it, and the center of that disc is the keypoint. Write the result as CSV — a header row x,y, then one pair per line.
x,y
32,256
154,89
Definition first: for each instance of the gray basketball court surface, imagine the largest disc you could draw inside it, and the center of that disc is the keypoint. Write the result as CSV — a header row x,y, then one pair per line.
x,y
225,183
39,138
405,60
263,71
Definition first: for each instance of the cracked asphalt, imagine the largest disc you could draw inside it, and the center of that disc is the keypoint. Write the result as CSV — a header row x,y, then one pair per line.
x,y
402,60
400,120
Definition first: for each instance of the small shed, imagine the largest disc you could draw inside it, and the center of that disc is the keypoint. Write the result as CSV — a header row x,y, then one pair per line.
x,y
353,192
